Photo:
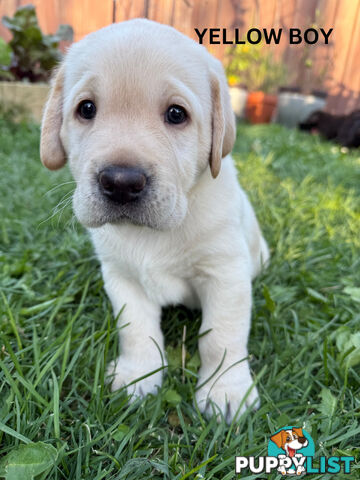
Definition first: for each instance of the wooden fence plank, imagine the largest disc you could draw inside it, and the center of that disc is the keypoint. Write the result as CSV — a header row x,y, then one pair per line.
x,y
344,83
341,96
86,16
7,7
127,9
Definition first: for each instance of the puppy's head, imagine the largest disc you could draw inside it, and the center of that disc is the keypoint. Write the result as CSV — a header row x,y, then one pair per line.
x,y
312,121
141,112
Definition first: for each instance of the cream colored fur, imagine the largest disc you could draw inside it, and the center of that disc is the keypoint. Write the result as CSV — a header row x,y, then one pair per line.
x,y
195,240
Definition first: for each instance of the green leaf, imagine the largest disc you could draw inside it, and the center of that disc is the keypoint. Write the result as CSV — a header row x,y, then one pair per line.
x,y
5,53
27,461
65,33
316,295
348,345
194,363
283,294
282,420
271,305
328,403
24,17
10,24
32,35
342,336
353,292
174,356
172,397
121,432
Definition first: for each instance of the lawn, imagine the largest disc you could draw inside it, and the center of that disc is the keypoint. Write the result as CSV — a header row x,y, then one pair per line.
x,y
57,333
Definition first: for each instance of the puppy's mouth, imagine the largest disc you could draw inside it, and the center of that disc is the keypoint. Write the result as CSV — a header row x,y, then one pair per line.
x,y
135,213
159,211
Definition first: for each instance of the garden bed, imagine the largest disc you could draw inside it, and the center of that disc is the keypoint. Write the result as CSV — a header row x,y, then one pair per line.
x,y
29,96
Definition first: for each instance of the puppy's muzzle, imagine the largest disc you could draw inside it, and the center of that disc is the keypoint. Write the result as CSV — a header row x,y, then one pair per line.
x,y
122,184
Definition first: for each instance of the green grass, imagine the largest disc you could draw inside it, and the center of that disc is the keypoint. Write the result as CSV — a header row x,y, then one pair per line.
x,y
58,333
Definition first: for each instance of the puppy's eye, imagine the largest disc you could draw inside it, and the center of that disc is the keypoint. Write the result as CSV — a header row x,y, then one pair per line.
x,y
175,114
86,109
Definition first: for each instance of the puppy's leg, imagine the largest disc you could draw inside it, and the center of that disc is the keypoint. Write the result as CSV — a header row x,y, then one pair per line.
x,y
141,339
224,376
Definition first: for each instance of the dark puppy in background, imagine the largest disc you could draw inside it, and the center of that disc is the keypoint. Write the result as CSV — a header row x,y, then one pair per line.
x,y
343,129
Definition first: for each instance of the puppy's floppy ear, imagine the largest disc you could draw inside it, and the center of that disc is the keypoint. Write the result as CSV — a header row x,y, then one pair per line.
x,y
52,152
278,438
223,119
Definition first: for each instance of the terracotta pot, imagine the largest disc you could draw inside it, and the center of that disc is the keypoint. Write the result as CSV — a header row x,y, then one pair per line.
x,y
260,107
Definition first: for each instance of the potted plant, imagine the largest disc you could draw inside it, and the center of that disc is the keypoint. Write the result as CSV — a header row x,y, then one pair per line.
x,y
295,106
255,67
27,60
238,96
238,91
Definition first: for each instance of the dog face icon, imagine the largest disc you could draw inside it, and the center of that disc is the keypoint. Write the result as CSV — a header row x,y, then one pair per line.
x,y
290,440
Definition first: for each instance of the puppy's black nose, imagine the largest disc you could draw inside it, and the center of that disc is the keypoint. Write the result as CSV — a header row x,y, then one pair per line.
x,y
302,440
122,184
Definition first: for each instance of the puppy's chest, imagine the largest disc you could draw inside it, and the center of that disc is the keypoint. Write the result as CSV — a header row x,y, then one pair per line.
x,y
163,271
165,283
166,287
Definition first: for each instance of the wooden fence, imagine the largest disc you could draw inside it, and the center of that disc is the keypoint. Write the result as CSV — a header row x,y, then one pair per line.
x,y
334,67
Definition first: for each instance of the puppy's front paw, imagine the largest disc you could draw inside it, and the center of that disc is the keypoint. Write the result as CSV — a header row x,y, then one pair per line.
x,y
227,393
128,373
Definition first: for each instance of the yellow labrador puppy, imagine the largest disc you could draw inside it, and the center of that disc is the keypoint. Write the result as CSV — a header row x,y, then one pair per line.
x,y
142,113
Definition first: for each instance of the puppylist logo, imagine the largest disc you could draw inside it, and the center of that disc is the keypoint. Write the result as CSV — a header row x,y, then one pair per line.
x,y
291,446
291,451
